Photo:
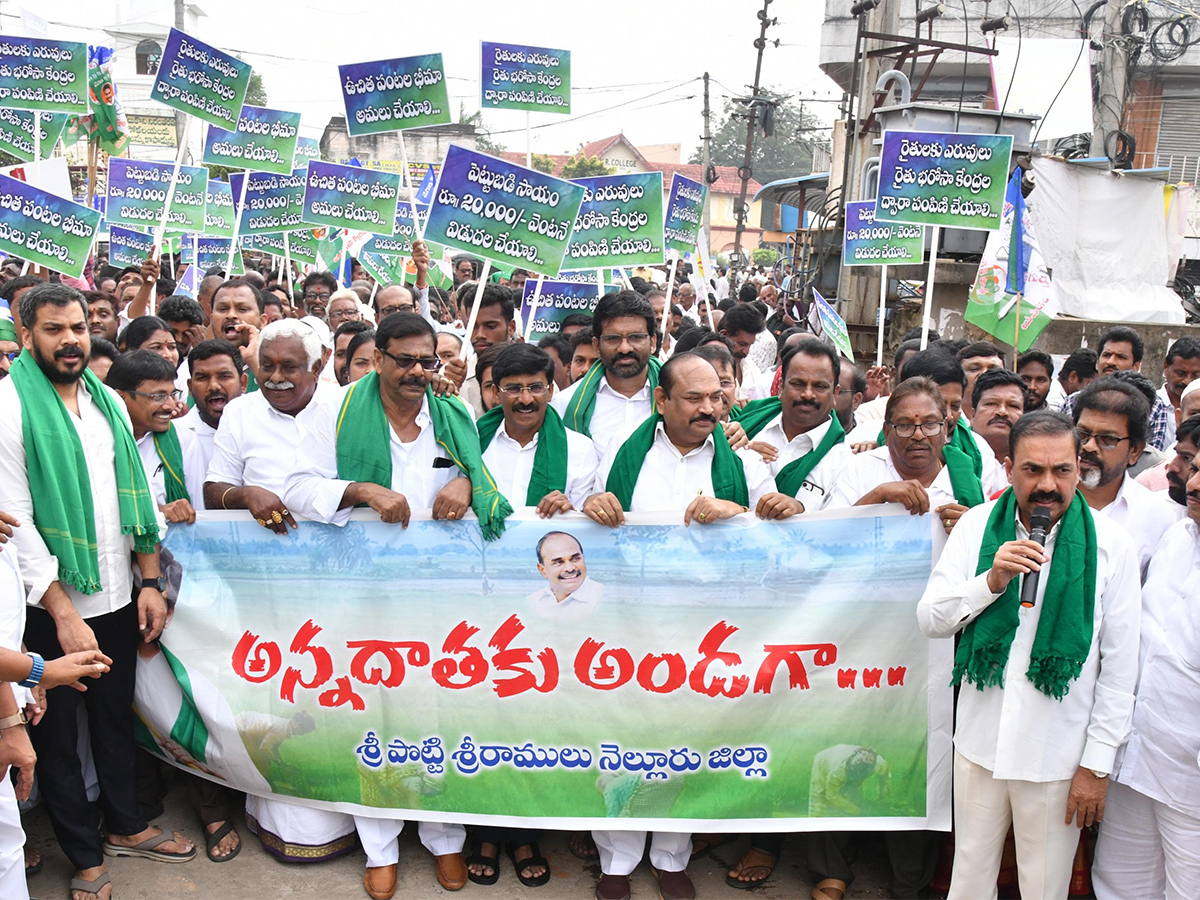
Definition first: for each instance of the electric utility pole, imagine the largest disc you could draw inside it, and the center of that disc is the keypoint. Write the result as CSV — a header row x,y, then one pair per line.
x,y
706,162
744,172
179,26
1110,102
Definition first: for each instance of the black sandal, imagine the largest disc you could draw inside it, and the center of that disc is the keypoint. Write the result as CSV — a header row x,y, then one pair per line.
x,y
535,860
478,859
211,841
583,847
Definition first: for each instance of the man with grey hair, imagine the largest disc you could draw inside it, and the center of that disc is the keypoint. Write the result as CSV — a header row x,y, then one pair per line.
x,y
253,454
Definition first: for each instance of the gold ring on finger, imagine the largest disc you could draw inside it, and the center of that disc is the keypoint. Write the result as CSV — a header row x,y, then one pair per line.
x,y
276,517
451,515
702,517
262,522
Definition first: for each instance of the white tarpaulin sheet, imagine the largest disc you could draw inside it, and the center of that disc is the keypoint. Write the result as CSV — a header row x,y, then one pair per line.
x,y
1104,238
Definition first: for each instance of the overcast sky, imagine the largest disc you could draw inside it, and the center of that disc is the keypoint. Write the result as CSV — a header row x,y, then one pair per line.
x,y
629,60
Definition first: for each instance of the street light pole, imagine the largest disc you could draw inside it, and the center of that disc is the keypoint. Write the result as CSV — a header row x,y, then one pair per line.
x,y
744,172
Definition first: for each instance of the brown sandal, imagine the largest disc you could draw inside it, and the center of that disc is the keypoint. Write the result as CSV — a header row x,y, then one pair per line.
x,y
752,862
821,891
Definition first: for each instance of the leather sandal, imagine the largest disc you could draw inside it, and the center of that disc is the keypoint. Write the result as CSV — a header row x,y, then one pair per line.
x,y
371,882
451,871
821,891
753,862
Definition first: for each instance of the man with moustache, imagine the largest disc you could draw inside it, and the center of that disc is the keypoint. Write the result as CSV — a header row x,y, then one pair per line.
x,y
102,316
237,308
1150,838
216,377
537,460
562,564
998,399
70,471
1047,692
1181,367
392,445
1178,467
1036,369
1111,419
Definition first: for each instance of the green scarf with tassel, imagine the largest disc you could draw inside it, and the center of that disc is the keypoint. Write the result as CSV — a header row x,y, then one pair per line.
x,y
549,459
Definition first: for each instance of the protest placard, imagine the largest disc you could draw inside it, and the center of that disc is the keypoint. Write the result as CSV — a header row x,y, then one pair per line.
x,y
137,193
535,79
45,229
691,694
201,80
218,209
394,94
684,213
205,252
399,242
556,301
943,179
274,203
351,197
869,242
503,212
264,141
16,132
833,325
188,283
128,247
620,222
43,75
384,269
306,149
590,276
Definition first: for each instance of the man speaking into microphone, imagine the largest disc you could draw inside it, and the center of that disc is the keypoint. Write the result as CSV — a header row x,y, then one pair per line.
x,y
1046,690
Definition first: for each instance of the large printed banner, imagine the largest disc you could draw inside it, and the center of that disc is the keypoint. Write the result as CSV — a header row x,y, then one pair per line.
x,y
620,222
43,75
264,141
535,79
745,676
199,79
942,178
44,228
16,132
394,94
685,211
507,213
137,192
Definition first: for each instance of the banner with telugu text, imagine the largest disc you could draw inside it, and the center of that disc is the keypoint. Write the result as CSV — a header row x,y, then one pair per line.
x,y
745,676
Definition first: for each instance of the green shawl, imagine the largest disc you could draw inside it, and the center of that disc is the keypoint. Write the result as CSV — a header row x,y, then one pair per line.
x,y
728,473
758,414
171,455
365,454
549,459
59,484
964,463
578,414
1064,632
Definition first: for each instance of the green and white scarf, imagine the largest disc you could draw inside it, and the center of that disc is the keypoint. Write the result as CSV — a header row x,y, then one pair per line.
x,y
170,453
578,415
1064,632
758,414
59,484
549,459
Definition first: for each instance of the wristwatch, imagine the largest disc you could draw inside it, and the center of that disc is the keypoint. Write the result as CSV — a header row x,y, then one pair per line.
x,y
11,721
35,673
159,583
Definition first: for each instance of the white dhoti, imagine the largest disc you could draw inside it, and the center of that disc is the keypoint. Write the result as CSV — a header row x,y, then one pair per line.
x,y
12,845
299,833
1146,849
381,838
984,807
621,851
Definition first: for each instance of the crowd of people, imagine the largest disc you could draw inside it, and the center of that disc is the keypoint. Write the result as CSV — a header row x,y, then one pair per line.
x,y
1063,502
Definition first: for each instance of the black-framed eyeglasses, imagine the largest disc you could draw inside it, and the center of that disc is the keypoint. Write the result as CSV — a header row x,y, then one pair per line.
x,y
317,296
1103,441
908,429
612,341
159,397
406,362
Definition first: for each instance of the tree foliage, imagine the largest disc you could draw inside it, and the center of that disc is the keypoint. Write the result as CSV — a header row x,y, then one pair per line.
x,y
542,163
786,154
763,256
580,166
483,138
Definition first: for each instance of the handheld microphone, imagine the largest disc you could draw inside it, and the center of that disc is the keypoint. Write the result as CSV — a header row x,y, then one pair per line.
x,y
1039,525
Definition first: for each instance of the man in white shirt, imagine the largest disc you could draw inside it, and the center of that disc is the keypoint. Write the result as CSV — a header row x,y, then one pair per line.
x,y
216,377
1180,368
742,325
69,610
1111,419
525,445
800,425
999,399
569,589
1050,687
615,395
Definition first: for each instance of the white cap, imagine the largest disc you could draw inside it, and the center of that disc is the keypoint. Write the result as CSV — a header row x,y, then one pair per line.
x,y
1190,389
321,329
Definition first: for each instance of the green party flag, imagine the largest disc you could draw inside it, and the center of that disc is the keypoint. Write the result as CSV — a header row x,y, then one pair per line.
x,y
578,415
549,459
58,476
1064,631
728,473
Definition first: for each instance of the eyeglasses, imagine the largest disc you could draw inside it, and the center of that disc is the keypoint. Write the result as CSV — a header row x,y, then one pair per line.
x,y
317,295
908,429
406,362
1103,441
613,341
343,314
158,398
516,390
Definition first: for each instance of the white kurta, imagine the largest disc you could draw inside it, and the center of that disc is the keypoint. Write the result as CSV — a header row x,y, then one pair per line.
x,y
817,489
1143,515
197,439
614,416
12,626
